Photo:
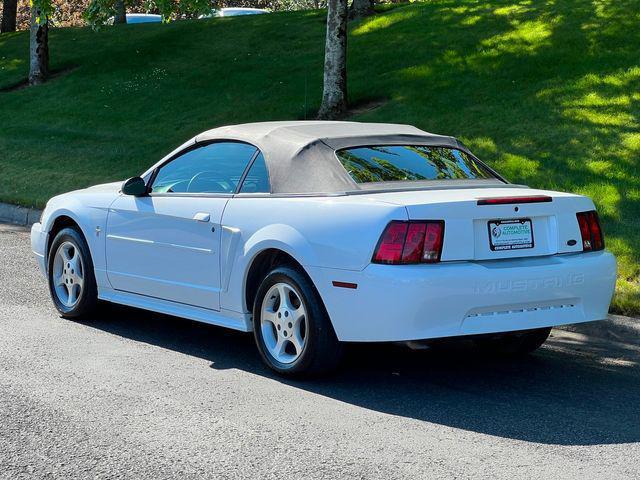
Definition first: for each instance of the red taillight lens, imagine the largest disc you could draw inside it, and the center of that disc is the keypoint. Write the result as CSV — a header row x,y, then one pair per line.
x,y
391,243
590,230
410,242
412,250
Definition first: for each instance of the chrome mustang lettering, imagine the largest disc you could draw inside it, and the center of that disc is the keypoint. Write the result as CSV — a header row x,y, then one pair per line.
x,y
500,286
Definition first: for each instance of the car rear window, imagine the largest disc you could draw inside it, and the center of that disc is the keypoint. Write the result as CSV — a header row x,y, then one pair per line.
x,y
401,163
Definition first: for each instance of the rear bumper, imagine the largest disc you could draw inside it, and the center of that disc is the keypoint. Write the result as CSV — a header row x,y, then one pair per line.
x,y
413,302
39,240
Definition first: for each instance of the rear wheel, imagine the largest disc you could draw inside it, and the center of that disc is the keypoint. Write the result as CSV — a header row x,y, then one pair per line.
x,y
513,343
72,282
291,327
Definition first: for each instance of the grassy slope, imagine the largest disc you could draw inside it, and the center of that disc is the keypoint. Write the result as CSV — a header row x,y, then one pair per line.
x,y
546,92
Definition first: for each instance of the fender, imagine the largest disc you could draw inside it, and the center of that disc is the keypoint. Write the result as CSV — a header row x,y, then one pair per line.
x,y
82,222
283,237
92,221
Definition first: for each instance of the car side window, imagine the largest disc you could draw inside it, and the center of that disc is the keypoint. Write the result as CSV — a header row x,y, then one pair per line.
x,y
257,179
213,168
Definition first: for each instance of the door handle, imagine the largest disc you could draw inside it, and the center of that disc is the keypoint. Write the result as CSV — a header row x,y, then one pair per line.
x,y
201,217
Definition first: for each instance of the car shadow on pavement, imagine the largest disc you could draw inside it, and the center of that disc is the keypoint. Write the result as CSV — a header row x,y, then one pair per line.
x,y
574,391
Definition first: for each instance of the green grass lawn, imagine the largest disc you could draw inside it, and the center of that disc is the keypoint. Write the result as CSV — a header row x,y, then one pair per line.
x,y
547,92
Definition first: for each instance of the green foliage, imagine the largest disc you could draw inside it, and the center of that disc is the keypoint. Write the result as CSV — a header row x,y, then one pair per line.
x,y
101,12
290,5
545,92
98,12
164,7
191,9
44,8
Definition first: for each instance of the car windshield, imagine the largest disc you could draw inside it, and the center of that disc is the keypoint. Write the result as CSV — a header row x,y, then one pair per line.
x,y
401,163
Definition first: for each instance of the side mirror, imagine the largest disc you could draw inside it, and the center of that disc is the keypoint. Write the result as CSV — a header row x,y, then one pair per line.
x,y
134,186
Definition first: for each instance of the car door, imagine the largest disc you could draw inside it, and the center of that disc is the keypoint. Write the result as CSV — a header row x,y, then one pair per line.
x,y
166,244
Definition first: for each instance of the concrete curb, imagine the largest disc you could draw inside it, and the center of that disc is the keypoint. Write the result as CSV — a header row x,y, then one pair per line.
x,y
19,215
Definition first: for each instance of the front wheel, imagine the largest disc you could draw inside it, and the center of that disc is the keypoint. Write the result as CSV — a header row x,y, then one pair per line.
x,y
291,326
72,282
513,343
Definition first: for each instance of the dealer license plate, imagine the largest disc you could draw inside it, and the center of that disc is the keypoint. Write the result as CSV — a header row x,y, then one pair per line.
x,y
510,234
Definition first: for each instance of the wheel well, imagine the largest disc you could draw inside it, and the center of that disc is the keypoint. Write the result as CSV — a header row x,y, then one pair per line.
x,y
262,264
59,223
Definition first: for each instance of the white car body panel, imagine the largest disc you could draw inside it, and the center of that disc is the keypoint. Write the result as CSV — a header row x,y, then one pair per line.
x,y
88,208
222,318
312,242
152,252
462,298
465,219
146,257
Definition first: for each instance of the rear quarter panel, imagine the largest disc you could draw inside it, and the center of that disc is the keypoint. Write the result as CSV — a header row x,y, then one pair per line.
x,y
333,232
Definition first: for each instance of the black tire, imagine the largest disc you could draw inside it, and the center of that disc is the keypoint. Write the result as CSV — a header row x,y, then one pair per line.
x,y
513,343
322,351
88,297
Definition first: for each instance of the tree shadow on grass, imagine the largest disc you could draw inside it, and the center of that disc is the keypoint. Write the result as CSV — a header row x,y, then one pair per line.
x,y
24,83
568,393
545,92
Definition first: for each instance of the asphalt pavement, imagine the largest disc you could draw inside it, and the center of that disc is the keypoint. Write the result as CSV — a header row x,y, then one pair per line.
x,y
130,394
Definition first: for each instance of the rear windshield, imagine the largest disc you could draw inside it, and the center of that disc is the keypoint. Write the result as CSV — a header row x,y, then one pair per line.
x,y
400,163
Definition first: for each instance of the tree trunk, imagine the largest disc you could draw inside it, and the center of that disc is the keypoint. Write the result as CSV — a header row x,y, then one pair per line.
x,y
9,11
121,13
334,94
361,8
39,49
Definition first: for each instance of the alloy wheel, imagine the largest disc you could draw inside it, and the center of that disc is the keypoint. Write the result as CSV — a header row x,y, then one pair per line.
x,y
68,274
283,323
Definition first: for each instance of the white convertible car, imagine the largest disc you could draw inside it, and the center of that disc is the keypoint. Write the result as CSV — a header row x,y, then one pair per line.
x,y
312,234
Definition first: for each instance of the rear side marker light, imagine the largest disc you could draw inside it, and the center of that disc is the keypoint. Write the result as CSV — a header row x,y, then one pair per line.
x,y
410,242
512,200
590,231
345,284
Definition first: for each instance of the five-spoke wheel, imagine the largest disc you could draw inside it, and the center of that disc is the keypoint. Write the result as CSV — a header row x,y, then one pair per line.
x,y
68,274
291,326
283,321
71,279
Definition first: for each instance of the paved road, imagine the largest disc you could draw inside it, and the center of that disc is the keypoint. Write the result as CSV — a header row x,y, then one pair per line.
x,y
134,395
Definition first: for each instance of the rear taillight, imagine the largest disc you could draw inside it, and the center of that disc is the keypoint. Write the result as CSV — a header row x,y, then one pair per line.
x,y
410,242
590,230
391,243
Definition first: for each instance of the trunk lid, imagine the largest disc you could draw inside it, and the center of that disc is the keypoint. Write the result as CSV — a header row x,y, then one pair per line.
x,y
468,233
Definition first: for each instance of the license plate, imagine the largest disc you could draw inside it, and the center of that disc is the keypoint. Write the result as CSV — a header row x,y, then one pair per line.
x,y
510,234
